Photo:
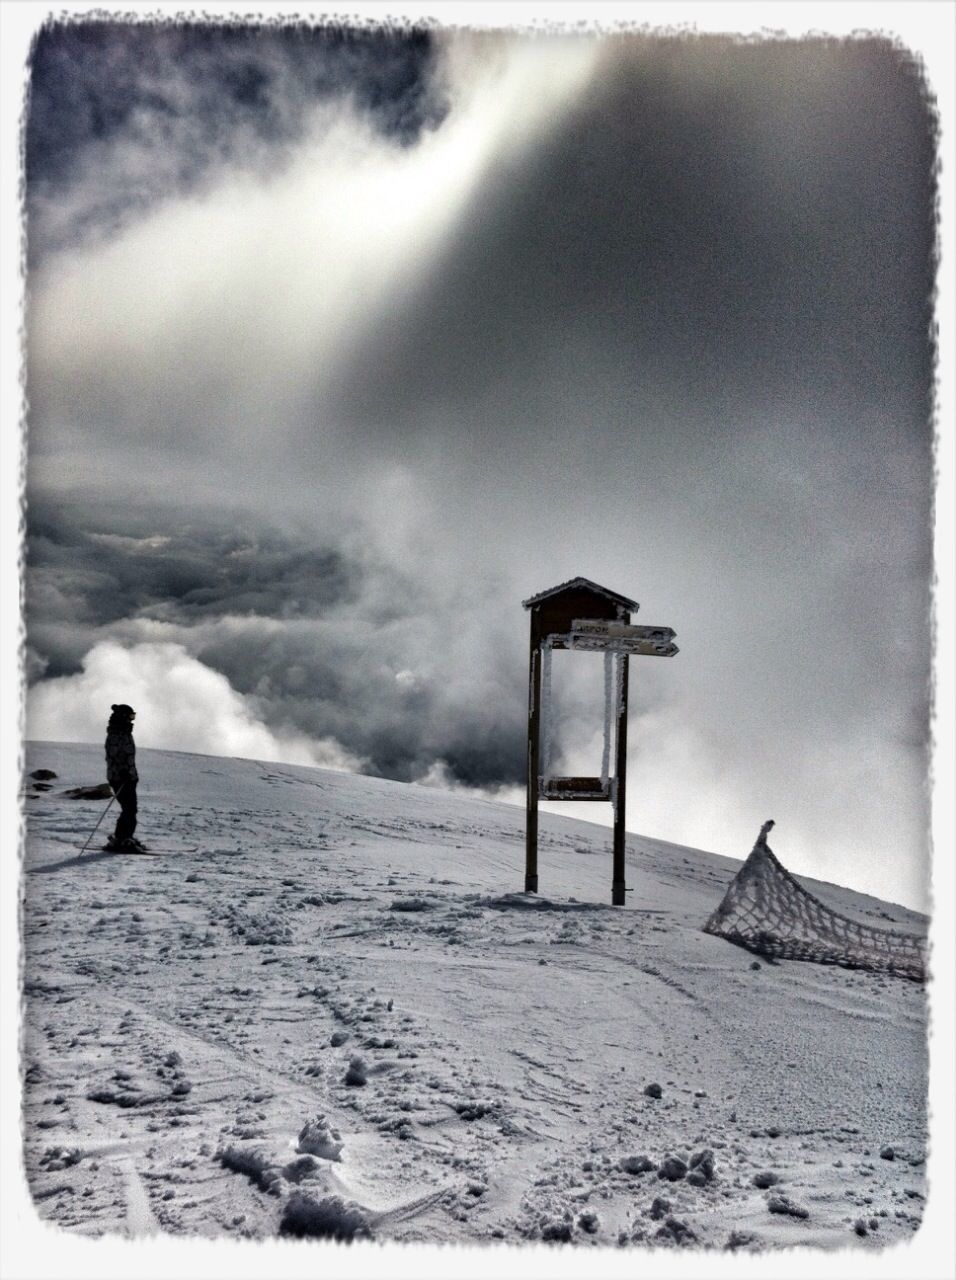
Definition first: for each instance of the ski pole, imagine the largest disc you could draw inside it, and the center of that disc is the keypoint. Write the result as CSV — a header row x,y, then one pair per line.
x,y
101,817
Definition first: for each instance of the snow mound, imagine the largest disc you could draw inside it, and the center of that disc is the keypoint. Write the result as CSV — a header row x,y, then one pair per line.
x,y
319,1138
329,1218
532,902
768,911
258,929
255,1163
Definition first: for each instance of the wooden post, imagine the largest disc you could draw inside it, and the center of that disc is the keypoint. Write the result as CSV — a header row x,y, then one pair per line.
x,y
534,748
620,790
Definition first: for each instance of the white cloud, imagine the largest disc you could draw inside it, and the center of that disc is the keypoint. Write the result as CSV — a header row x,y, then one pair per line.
x,y
181,705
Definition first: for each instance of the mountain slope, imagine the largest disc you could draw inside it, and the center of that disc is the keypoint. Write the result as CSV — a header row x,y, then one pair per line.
x,y
359,950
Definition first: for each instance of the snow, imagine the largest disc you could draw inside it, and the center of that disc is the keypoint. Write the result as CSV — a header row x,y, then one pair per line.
x,y
339,1018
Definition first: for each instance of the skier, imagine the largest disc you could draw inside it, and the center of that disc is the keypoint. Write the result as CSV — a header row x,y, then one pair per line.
x,y
122,777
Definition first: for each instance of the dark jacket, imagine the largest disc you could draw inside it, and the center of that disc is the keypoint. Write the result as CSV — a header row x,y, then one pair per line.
x,y
120,755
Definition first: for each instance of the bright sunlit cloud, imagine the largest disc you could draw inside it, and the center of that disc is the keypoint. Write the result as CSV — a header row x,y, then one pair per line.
x,y
223,310
180,705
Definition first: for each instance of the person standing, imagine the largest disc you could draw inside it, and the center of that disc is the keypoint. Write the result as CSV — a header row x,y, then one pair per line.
x,y
122,777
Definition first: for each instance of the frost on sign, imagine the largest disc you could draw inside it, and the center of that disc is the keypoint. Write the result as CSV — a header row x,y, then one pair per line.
x,y
618,637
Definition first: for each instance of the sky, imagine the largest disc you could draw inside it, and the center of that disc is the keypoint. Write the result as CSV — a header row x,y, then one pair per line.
x,y
340,344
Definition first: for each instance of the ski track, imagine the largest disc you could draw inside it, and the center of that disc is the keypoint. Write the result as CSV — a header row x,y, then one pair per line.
x,y
185,1006
139,1215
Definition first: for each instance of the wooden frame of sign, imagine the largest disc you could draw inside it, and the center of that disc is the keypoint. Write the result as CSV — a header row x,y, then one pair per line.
x,y
581,614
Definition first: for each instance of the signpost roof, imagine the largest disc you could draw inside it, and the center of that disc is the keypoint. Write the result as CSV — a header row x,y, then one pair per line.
x,y
579,584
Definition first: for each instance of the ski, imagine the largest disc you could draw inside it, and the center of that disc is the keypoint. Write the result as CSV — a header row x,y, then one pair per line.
x,y
150,853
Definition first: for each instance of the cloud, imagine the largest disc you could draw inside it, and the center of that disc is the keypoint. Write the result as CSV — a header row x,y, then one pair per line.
x,y
159,109
181,705
82,578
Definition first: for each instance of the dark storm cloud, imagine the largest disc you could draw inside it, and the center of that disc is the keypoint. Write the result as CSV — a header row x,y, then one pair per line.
x,y
165,106
120,563
718,223
341,681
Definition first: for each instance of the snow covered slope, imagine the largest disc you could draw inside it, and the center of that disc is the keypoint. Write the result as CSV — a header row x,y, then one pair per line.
x,y
349,960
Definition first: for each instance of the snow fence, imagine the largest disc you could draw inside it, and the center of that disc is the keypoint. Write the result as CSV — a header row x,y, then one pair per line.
x,y
766,910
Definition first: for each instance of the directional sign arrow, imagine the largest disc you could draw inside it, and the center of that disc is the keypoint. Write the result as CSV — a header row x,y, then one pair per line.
x,y
623,644
620,630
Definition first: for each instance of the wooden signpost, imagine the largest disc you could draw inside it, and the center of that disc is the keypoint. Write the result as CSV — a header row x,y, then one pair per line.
x,y
580,614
